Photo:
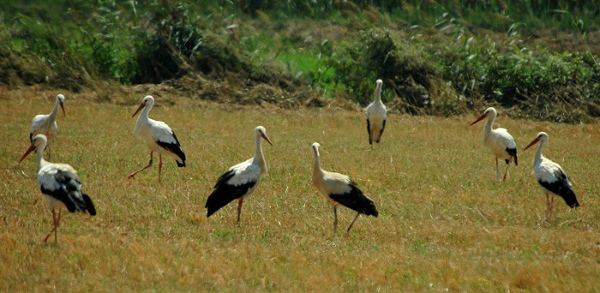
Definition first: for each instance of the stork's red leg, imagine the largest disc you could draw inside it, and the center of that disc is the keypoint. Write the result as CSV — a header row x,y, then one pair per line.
x,y
548,209
239,209
58,219
551,204
335,221
357,214
506,173
53,228
56,227
140,170
497,170
159,166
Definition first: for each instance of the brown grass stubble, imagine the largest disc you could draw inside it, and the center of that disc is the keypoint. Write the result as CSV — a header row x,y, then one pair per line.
x,y
444,222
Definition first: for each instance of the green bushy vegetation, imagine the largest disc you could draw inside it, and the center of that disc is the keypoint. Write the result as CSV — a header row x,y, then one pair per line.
x,y
437,58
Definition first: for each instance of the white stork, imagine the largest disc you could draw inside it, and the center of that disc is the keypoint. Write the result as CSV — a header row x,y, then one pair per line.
x,y
551,177
159,137
498,140
339,189
46,124
240,180
60,184
376,116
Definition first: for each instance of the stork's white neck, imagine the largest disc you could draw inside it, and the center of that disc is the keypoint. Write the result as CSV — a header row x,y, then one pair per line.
x,y
318,173
144,114
142,119
54,110
488,124
538,154
317,167
39,153
259,158
378,95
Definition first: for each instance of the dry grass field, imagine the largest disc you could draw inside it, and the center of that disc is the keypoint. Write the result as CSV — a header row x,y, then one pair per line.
x,y
445,223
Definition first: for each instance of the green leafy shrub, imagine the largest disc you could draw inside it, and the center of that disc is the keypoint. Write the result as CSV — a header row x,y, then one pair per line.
x,y
404,68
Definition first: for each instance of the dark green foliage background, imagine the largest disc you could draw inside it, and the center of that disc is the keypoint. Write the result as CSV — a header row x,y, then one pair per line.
x,y
68,44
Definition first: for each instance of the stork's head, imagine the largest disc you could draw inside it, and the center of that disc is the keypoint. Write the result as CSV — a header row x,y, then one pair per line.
x,y
315,147
542,136
61,100
378,87
260,131
38,141
147,101
489,112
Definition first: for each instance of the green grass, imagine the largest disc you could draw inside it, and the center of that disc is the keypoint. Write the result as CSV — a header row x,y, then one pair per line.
x,y
314,65
444,223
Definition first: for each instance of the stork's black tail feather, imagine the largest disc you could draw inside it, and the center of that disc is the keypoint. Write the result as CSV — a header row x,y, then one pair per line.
x,y
369,131
356,200
513,153
174,148
370,209
89,205
570,198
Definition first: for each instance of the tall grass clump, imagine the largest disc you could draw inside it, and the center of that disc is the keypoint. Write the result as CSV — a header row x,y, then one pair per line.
x,y
107,37
406,67
541,84
166,44
17,67
498,15
548,86
51,44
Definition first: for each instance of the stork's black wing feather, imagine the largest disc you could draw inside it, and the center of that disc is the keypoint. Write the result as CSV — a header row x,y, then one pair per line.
x,y
225,193
381,132
89,204
369,130
69,192
174,148
562,188
356,200
512,153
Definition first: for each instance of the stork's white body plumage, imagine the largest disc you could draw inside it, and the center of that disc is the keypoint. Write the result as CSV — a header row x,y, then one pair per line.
x,y
241,180
153,131
551,177
331,182
338,189
499,141
47,180
159,137
60,185
46,123
376,115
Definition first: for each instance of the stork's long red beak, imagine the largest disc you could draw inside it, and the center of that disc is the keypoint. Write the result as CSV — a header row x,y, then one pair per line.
x,y
531,143
31,148
266,138
139,109
478,119
63,109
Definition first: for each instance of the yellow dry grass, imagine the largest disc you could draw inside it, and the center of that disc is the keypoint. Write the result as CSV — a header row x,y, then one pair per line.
x,y
444,223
